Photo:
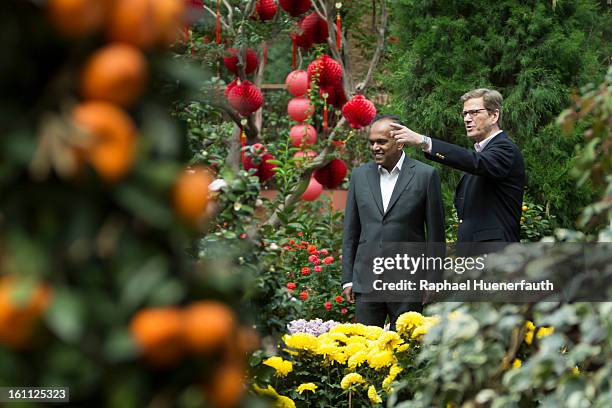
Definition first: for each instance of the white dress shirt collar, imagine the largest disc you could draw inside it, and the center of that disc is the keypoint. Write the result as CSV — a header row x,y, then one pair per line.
x,y
398,166
479,147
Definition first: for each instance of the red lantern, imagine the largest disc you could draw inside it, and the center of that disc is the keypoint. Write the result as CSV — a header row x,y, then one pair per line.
x,y
231,61
332,175
335,94
266,169
257,158
313,191
302,40
302,134
230,86
300,109
297,82
245,97
295,8
266,9
315,28
359,111
329,70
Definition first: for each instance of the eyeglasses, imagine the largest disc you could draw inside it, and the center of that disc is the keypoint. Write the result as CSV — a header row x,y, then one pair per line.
x,y
472,112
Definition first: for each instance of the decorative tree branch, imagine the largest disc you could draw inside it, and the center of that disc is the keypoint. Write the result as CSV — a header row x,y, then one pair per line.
x,y
380,45
224,23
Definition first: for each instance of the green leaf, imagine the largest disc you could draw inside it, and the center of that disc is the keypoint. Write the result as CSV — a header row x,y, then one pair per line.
x,y
65,317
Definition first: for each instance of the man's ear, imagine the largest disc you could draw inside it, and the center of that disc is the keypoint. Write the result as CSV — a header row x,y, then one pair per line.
x,y
400,146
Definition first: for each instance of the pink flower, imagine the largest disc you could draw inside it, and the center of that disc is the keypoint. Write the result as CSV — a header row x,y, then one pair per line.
x,y
328,260
323,252
327,306
312,249
305,271
299,234
243,235
318,268
344,310
291,286
314,259
304,295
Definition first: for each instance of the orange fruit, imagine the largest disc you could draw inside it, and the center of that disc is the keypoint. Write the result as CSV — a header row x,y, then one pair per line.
x,y
191,193
112,149
157,332
207,325
169,20
116,73
226,388
133,21
18,321
77,18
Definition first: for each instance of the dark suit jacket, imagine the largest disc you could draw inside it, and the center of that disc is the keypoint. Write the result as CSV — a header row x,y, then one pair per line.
x,y
489,196
415,214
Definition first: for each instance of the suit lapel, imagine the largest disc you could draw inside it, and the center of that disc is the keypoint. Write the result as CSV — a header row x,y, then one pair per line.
x,y
404,178
374,182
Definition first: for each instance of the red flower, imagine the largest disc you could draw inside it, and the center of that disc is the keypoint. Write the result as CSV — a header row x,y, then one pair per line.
x,y
291,286
305,271
243,235
312,249
328,260
314,259
323,252
344,310
304,295
328,306
299,234
291,242
318,268
339,299
287,248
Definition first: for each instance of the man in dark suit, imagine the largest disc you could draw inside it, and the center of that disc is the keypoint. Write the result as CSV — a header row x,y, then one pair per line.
x,y
489,196
392,199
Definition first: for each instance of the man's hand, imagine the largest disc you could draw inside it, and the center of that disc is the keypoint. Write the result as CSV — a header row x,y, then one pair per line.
x,y
405,136
348,294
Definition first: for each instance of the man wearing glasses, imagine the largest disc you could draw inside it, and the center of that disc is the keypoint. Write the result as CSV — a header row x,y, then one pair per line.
x,y
489,196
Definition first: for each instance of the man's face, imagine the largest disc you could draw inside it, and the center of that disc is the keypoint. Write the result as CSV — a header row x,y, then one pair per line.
x,y
384,149
479,122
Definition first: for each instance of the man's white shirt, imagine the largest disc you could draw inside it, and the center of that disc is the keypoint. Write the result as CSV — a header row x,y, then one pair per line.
x,y
387,184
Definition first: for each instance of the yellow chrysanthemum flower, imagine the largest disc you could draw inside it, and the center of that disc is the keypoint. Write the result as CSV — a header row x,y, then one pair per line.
x,y
338,336
282,367
517,363
356,340
545,331
373,395
326,347
306,387
301,341
395,370
389,340
402,348
357,359
529,325
380,359
269,392
351,379
353,348
373,332
284,402
408,321
338,356
529,337
291,352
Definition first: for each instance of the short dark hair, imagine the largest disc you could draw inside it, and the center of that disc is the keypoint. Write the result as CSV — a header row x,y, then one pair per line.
x,y
394,118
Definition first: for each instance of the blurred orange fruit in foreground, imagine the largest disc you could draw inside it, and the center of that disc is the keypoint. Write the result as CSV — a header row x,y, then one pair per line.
x,y
191,193
18,321
158,333
77,18
226,387
112,149
145,23
207,325
116,73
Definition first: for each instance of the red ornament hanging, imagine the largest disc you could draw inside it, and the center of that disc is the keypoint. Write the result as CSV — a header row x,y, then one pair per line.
x,y
218,23
359,111
332,175
302,133
230,86
231,61
266,9
313,191
315,28
300,109
245,98
297,82
338,26
325,96
328,69
295,8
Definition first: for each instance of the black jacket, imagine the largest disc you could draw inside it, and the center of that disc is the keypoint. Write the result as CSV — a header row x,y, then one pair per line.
x,y
489,196
415,214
